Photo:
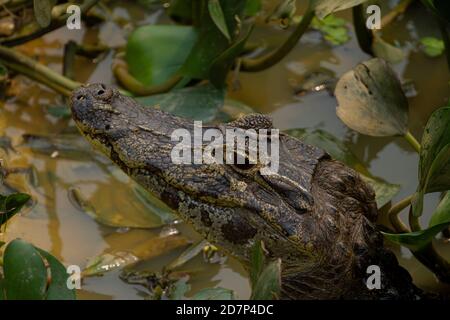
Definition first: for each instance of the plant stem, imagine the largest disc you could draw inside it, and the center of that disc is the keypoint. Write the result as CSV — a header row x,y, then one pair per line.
x,y
363,34
414,222
32,68
446,39
412,141
267,61
430,258
38,77
394,212
55,24
120,70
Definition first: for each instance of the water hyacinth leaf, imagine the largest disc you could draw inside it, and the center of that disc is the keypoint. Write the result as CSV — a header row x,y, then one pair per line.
x,y
214,294
211,42
257,260
2,289
154,205
435,139
136,218
189,254
198,103
442,213
387,51
154,247
268,285
216,14
154,53
57,288
24,271
107,262
384,192
11,204
432,47
180,10
43,12
324,7
416,240
371,100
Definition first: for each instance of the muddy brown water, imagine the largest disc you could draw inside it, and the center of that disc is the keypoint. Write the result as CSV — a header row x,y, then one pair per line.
x,y
56,225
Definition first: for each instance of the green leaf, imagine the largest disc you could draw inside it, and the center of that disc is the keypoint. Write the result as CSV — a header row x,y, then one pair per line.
x,y
180,10
442,213
432,47
198,103
384,191
416,240
386,51
252,7
211,42
11,204
214,294
2,289
371,100
216,13
268,286
57,289
43,12
257,260
434,164
24,271
154,53
324,7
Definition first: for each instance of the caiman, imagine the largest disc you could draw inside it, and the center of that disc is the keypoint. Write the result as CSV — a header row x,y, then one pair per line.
x,y
315,213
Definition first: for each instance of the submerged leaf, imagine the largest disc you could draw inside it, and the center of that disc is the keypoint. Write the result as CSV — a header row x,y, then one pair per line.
x,y
11,204
371,100
257,261
188,254
387,51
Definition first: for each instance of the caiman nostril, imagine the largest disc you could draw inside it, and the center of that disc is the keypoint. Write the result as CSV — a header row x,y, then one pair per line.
x,y
80,97
100,92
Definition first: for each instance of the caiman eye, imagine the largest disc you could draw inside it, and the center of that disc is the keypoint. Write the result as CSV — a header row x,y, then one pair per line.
x,y
246,166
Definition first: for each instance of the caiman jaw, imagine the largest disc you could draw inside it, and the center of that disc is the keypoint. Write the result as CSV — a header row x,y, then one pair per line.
x,y
315,213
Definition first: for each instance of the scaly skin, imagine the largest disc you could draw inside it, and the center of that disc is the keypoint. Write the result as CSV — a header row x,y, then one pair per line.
x,y
315,214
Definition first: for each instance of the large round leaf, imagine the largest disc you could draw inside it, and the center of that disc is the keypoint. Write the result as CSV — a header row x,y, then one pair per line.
x,y
25,272
371,100
156,52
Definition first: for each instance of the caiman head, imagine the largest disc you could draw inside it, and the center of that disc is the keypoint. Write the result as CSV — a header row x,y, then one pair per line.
x,y
314,213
